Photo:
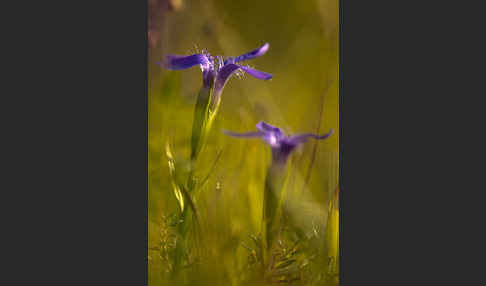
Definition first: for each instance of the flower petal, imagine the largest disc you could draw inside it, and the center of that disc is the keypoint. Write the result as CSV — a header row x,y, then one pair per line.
x,y
267,128
175,62
223,75
302,137
253,54
256,73
221,78
245,135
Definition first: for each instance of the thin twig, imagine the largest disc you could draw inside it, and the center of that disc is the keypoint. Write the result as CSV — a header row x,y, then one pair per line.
x,y
314,148
212,168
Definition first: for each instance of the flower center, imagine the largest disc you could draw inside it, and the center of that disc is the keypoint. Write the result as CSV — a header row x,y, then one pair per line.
x,y
273,140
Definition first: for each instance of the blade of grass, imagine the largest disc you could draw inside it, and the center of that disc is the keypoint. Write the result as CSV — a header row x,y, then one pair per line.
x,y
212,169
318,129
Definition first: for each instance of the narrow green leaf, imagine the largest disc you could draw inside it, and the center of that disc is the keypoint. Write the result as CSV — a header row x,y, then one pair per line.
x,y
172,170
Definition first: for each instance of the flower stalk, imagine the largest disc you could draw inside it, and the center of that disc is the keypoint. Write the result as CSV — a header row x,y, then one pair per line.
x,y
273,198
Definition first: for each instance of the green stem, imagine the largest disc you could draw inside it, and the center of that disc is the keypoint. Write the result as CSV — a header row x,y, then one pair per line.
x,y
273,198
199,124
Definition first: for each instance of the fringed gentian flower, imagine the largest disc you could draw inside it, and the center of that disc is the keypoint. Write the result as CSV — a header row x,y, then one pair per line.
x,y
274,195
281,144
217,70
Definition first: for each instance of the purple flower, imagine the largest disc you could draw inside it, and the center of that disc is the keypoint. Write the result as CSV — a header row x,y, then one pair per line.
x,y
217,70
281,144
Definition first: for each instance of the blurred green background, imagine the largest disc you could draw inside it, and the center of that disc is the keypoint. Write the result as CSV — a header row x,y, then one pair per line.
x,y
303,59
